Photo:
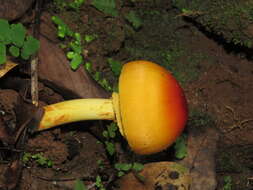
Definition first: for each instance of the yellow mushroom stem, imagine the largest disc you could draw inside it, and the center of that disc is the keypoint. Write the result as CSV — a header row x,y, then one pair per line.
x,y
80,110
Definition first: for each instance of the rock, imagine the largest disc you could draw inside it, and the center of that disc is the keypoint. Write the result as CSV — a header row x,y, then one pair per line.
x,y
201,147
14,9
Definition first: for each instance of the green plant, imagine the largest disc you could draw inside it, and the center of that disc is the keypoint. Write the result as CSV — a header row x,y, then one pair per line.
x,y
60,4
106,6
111,131
74,4
171,62
38,158
146,12
110,134
134,19
100,164
89,38
179,3
15,41
115,66
199,119
110,147
75,48
227,162
79,185
75,52
186,70
181,147
99,183
63,29
98,77
227,183
123,168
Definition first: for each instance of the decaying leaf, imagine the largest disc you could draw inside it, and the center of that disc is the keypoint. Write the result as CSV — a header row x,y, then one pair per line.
x,y
158,175
6,68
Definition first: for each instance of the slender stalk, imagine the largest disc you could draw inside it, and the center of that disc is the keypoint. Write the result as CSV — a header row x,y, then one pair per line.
x,y
77,110
35,59
34,81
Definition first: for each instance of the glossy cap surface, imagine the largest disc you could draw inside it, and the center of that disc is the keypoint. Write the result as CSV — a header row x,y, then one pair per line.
x,y
153,107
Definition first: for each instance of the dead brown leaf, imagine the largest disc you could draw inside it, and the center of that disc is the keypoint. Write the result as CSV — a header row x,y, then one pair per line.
x,y
158,175
6,68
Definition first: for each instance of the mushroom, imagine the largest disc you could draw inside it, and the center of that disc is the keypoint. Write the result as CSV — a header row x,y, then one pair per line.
x,y
150,108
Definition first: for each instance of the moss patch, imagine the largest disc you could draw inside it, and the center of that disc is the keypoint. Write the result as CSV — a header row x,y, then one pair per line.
x,y
165,45
232,20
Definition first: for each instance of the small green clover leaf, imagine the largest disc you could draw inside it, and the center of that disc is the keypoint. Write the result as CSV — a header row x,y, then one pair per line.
x,y
99,183
97,76
105,84
76,47
227,183
126,167
88,67
89,38
105,134
31,46
134,19
123,166
77,38
137,166
106,6
70,55
63,29
180,147
18,32
13,37
116,66
110,147
26,157
79,185
76,4
112,128
2,53
5,32
121,173
14,51
39,158
76,61
110,132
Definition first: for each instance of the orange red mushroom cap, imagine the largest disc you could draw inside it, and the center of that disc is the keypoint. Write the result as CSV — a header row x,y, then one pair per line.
x,y
153,107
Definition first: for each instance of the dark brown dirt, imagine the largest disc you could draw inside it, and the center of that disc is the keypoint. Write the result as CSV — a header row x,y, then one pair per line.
x,y
225,91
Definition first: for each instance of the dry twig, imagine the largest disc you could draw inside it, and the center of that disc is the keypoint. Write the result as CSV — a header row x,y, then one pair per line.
x,y
35,59
238,123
